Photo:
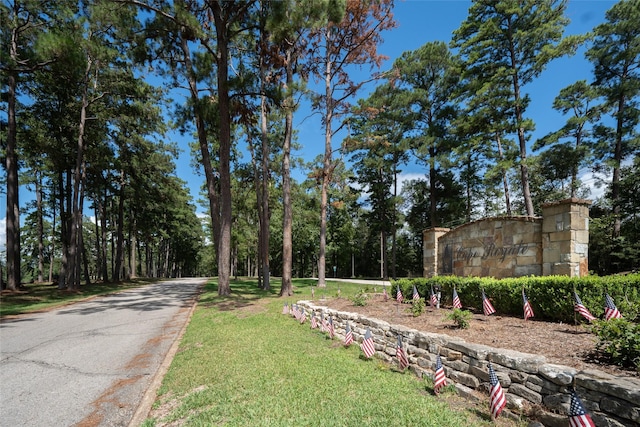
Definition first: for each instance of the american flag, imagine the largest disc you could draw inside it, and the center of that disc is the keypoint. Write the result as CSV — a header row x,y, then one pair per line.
x,y
385,296
331,331
303,317
578,417
314,322
416,295
528,311
285,309
439,380
610,310
348,336
292,310
403,361
486,305
323,323
434,298
580,308
498,401
367,344
456,299
399,295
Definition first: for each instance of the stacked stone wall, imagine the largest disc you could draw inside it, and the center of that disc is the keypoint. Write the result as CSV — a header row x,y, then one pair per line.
x,y
532,386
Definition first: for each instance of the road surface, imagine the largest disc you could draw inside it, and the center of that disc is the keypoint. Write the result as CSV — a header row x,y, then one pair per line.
x,y
90,363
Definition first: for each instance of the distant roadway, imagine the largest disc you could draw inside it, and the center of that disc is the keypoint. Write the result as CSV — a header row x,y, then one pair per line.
x,y
91,363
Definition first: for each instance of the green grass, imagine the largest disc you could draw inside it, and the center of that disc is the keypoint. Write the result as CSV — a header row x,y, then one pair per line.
x,y
242,363
42,296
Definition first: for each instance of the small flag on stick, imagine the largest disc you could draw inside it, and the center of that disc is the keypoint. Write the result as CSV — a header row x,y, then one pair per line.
x,y
399,295
578,417
487,307
403,361
528,310
498,401
331,330
348,336
367,344
439,379
580,308
433,299
456,299
416,295
285,309
610,310
314,322
303,316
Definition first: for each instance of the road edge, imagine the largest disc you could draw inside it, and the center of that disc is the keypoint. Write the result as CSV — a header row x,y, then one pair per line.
x,y
144,407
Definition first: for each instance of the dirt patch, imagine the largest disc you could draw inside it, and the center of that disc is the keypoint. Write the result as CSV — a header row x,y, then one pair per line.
x,y
561,343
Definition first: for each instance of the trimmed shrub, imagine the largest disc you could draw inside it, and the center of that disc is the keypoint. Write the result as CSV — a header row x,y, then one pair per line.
x,y
550,296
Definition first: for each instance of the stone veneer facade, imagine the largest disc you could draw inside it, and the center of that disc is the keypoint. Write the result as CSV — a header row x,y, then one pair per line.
x,y
532,386
554,244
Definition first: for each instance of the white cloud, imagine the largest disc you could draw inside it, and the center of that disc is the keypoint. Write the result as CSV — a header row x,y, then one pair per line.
x,y
3,234
596,182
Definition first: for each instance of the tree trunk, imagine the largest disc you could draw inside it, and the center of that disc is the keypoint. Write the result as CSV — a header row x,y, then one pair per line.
x,y
224,246
40,226
13,206
119,254
524,169
203,142
104,240
64,227
52,247
326,168
433,199
133,241
286,289
617,160
393,221
505,181
263,184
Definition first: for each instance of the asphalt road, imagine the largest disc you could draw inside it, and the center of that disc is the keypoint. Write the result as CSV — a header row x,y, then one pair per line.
x,y
90,363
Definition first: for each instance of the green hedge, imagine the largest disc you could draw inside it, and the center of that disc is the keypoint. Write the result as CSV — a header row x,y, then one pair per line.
x,y
550,296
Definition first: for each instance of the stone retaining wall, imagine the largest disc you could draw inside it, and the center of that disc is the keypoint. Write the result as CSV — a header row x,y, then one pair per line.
x,y
532,386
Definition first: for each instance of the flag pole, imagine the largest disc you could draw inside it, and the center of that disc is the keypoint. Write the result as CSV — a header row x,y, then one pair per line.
x,y
575,315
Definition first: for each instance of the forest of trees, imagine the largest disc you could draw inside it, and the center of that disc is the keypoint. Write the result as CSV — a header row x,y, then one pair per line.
x,y
86,101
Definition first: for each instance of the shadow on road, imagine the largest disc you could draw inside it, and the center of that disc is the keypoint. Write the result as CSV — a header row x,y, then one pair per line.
x,y
149,298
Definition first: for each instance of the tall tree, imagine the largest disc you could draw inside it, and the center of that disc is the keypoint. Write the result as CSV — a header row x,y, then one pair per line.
x,y
379,126
28,44
615,55
573,138
336,47
428,76
507,44
290,24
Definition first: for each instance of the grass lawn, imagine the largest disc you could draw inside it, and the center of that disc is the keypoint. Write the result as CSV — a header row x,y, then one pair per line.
x,y
42,296
242,362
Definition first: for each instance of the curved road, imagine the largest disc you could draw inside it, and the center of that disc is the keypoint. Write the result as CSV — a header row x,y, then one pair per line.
x,y
90,363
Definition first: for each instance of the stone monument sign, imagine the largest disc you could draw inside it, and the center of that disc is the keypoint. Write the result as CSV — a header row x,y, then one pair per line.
x,y
554,244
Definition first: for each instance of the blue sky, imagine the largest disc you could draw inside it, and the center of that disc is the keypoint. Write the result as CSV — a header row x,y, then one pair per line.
x,y
419,22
